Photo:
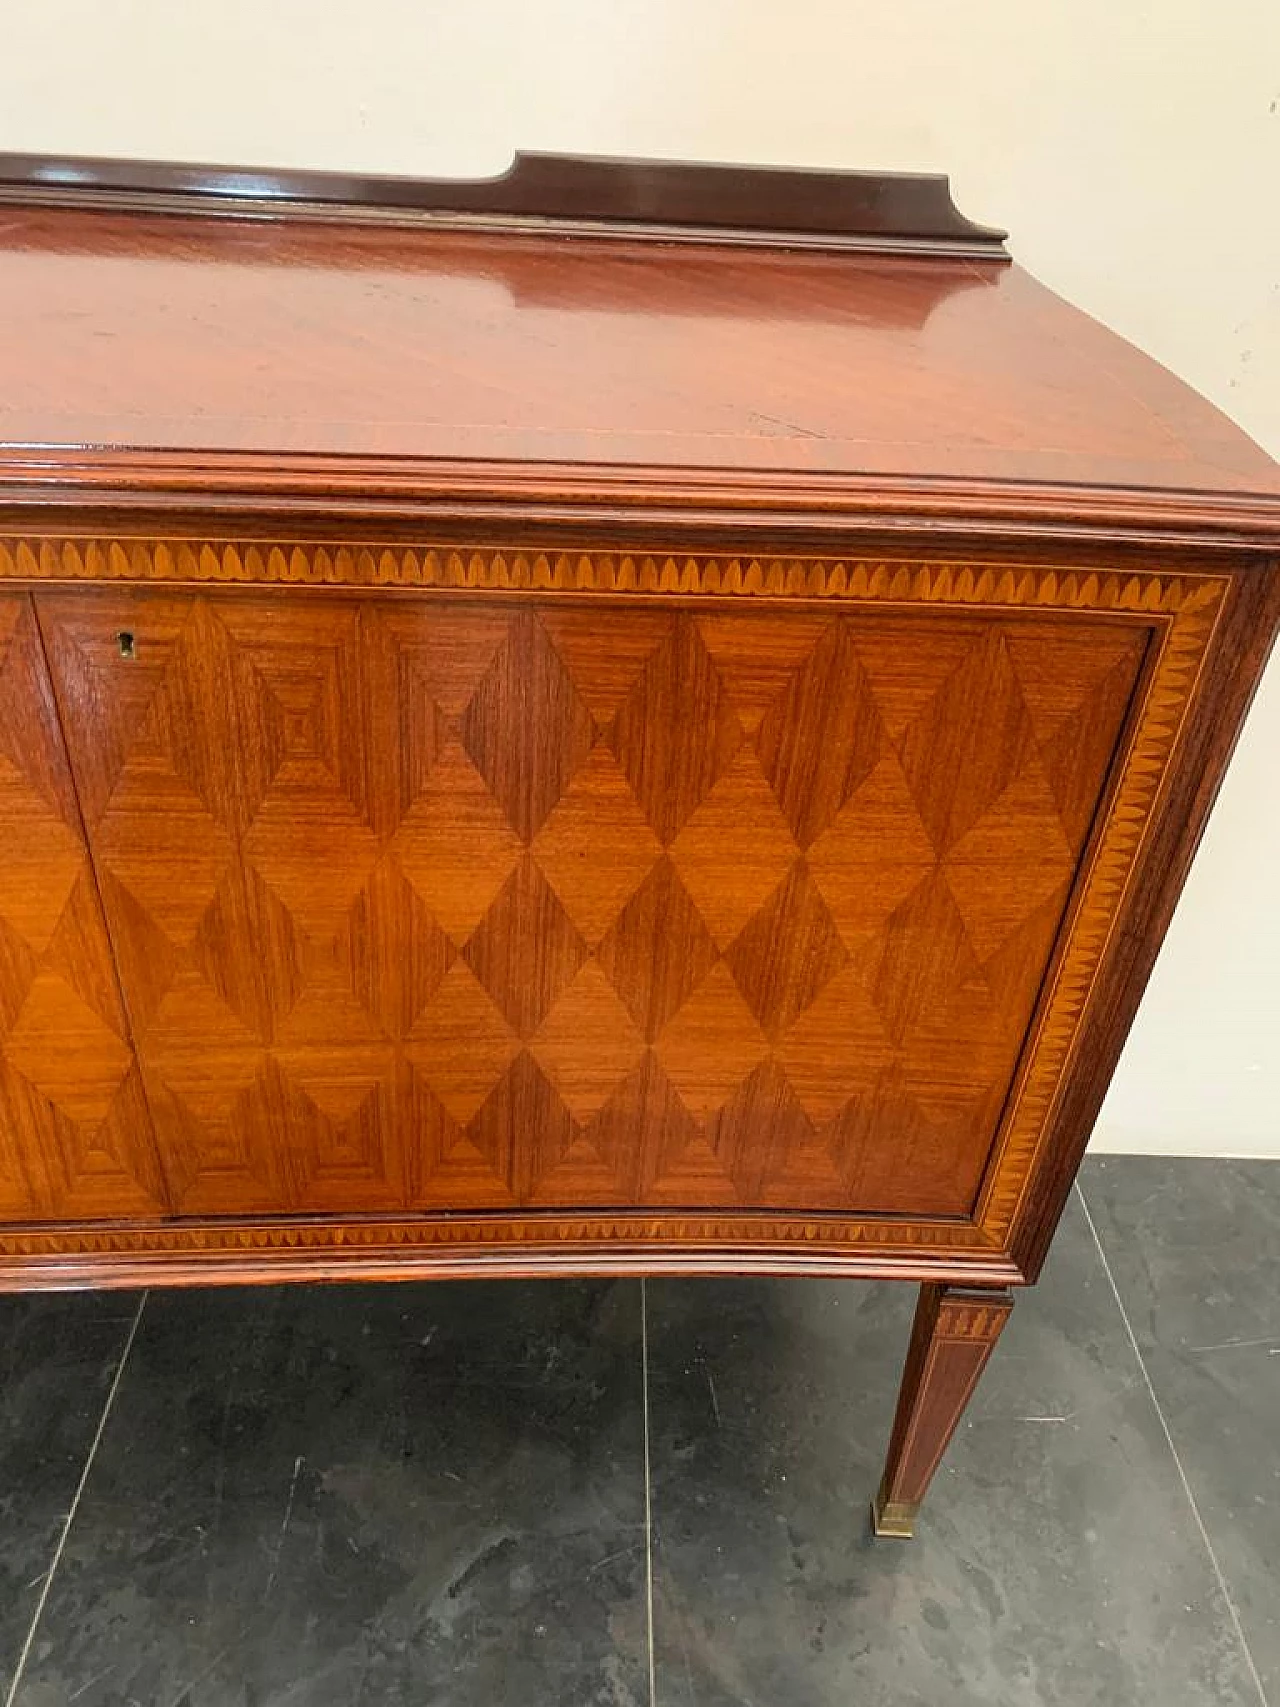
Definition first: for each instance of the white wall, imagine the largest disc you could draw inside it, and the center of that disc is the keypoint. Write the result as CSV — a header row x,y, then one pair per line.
x,y
1133,150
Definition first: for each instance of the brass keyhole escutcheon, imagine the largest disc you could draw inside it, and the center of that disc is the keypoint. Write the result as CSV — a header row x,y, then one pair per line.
x,y
124,640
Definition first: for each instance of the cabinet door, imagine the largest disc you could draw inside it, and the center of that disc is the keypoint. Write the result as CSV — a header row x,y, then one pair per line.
x,y
475,904
75,1135
223,772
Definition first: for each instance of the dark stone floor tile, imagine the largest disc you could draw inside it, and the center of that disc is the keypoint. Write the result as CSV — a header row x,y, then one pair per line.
x,y
1195,1250
366,1496
58,1357
1056,1561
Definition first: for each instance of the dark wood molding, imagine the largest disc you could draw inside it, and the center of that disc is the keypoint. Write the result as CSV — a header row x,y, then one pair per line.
x,y
663,199
243,487
282,1250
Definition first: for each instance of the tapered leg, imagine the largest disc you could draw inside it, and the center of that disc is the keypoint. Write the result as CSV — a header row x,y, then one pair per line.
x,y
953,1335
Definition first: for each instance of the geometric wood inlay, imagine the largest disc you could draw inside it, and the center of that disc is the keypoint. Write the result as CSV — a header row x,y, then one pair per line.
x,y
512,904
75,1137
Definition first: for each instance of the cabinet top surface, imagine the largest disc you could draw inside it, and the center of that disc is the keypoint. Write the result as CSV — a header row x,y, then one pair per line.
x,y
137,335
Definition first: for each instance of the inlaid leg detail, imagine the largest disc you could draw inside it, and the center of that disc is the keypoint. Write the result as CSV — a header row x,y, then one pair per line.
x,y
952,1337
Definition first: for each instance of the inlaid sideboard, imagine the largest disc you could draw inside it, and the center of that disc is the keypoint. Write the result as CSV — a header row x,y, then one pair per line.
x,y
622,719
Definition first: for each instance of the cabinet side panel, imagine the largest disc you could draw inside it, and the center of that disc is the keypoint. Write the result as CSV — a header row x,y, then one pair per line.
x,y
75,1135
1211,717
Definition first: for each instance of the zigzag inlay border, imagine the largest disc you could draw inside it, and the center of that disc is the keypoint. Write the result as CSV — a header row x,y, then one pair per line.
x,y
1184,608
501,1230
968,1320
506,570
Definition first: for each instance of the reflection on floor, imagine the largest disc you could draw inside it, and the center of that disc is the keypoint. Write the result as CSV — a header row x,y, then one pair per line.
x,y
384,1496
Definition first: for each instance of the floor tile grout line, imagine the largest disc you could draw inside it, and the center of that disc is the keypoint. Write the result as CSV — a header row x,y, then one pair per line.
x,y
38,1614
1177,1459
648,1489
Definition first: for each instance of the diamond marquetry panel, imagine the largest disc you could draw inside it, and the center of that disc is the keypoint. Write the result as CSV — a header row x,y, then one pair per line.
x,y
765,1102
1061,675
604,675
447,650
677,730
658,950
872,855
467,904
392,950
759,662
838,1048
75,1136
1077,748
907,663
596,848
262,986
588,1043
787,952
331,1048
40,859
526,949
1023,833
684,1164
454,1164
455,845
67,1052
969,742
712,1044
735,850
526,1124
298,676
527,728
823,736
924,954
156,822
461,1045
199,1050
313,849
855,1143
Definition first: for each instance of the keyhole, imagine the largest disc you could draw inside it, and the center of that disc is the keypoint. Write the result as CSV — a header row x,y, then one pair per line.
x,y
124,640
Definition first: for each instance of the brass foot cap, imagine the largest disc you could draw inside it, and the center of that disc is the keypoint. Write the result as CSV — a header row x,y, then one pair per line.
x,y
894,1517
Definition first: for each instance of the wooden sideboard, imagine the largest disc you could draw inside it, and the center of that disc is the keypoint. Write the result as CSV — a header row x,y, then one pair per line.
x,y
621,719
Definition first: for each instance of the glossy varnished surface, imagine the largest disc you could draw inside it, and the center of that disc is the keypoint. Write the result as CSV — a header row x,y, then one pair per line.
x,y
476,907
607,832
176,333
